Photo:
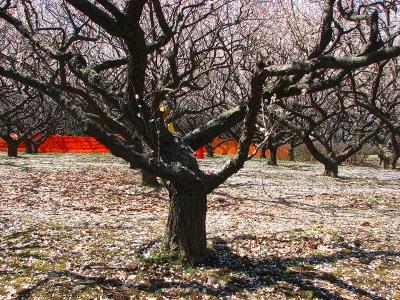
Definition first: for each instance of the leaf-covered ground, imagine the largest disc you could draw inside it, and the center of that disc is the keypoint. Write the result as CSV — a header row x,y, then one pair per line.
x,y
80,227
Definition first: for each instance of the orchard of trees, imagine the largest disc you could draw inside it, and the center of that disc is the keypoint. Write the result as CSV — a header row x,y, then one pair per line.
x,y
319,73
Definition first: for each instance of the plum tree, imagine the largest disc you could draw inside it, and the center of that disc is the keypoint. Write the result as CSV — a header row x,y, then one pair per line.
x,y
112,64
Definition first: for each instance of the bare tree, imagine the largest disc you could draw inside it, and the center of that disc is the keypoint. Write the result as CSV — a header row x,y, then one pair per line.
x,y
116,116
25,116
332,127
381,99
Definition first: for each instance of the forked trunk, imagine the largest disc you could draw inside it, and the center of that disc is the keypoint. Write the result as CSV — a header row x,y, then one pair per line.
x,y
273,156
12,149
331,169
185,234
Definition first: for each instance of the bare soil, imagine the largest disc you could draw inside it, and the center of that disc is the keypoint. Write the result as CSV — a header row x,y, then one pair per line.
x,y
79,226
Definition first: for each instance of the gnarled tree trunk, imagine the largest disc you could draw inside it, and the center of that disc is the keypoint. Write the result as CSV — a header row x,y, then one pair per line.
x,y
185,234
262,150
35,148
28,148
331,169
273,156
291,153
384,154
12,148
393,161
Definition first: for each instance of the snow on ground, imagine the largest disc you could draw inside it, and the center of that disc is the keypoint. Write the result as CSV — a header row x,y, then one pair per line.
x,y
79,226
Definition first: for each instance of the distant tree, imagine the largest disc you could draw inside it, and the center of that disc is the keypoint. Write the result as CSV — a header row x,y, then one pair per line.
x,y
381,99
271,135
333,128
25,116
292,145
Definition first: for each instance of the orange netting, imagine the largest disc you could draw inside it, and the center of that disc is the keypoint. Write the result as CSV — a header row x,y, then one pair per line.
x,y
62,143
230,146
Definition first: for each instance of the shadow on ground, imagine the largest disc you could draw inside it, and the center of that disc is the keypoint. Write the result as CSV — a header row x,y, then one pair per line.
x,y
247,274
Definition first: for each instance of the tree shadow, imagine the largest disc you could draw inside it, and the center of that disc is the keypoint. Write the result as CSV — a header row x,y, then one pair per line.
x,y
245,274
267,272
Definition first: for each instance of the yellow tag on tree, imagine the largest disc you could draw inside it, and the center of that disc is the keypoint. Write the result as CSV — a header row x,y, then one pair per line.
x,y
170,127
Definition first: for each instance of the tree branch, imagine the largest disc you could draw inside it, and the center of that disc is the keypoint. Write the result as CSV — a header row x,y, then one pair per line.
x,y
207,132
331,62
98,16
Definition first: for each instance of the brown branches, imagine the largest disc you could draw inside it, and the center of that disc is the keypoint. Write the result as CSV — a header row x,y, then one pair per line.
x,y
331,62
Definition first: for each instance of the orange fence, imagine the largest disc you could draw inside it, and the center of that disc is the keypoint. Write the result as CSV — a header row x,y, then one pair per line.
x,y
62,143
230,146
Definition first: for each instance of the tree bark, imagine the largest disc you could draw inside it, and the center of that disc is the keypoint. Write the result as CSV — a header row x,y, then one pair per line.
x,y
149,179
185,234
291,153
273,156
385,155
331,169
12,148
329,161
35,148
262,150
393,161
383,161
28,148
